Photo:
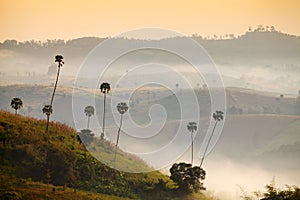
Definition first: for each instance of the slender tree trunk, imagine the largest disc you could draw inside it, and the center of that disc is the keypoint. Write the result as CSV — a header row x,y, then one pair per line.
x,y
55,85
88,123
192,133
118,136
103,124
47,124
208,144
16,111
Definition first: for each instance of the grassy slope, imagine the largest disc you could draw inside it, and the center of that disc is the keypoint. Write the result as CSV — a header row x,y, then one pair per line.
x,y
30,154
26,189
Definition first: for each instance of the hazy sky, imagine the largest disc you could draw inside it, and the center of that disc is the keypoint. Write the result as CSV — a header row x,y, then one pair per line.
x,y
68,19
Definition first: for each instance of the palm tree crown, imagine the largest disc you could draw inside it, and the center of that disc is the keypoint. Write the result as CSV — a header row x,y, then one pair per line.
x,y
105,87
89,111
218,115
59,60
192,127
47,110
16,103
122,107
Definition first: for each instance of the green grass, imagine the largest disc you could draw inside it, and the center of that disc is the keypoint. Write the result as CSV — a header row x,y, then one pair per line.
x,y
30,158
26,189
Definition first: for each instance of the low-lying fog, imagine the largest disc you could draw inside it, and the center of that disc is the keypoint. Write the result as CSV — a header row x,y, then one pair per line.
x,y
276,79
225,176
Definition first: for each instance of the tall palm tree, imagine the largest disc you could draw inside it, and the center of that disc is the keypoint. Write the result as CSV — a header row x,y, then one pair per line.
x,y
104,88
48,111
192,127
59,60
122,108
218,116
48,108
16,103
89,111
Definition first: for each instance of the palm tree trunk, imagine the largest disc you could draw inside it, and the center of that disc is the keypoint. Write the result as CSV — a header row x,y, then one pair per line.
x,y
88,123
55,86
103,127
192,147
47,124
118,136
208,144
16,111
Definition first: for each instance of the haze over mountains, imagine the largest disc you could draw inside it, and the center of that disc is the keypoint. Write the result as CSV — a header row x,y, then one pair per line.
x,y
261,72
259,59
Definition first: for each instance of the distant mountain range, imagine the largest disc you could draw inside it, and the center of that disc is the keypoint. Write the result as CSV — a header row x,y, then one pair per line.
x,y
264,48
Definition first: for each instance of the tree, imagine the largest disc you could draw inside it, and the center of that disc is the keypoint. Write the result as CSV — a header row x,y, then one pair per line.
x,y
59,60
16,103
218,116
122,108
89,111
187,178
192,127
48,111
48,108
86,136
105,89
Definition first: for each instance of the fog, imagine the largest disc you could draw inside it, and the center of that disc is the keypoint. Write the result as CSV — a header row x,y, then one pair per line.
x,y
227,179
254,146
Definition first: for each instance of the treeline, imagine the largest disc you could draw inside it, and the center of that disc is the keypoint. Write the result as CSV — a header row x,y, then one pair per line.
x,y
260,46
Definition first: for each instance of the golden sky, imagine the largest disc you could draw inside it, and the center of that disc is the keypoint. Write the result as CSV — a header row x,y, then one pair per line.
x,y
68,19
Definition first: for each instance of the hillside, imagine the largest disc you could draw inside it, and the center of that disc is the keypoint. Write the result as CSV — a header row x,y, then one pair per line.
x,y
35,164
239,101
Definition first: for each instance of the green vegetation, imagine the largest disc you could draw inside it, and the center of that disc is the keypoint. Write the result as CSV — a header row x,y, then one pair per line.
x,y
187,177
273,193
33,161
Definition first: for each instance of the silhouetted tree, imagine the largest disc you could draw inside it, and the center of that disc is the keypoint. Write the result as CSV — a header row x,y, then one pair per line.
x,y
218,116
192,127
16,103
59,60
48,111
187,177
105,89
89,111
122,108
86,136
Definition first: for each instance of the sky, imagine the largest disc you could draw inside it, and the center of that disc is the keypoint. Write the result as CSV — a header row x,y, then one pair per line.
x,y
69,19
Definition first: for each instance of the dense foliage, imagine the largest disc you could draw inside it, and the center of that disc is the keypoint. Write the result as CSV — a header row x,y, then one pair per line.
x,y
187,177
